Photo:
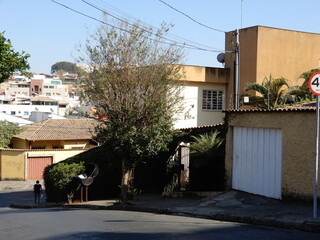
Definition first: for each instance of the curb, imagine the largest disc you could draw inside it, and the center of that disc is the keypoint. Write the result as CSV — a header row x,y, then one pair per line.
x,y
29,206
307,226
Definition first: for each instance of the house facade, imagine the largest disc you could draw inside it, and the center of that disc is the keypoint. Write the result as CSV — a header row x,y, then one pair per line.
x,y
271,152
57,134
204,94
44,143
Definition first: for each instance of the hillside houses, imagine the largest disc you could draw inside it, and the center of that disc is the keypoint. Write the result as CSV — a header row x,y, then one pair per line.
x,y
21,96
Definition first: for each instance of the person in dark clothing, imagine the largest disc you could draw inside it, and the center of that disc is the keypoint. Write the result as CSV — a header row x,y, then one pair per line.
x,y
37,190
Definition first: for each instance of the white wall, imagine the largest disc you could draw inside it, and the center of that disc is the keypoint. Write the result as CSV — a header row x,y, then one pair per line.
x,y
21,110
192,114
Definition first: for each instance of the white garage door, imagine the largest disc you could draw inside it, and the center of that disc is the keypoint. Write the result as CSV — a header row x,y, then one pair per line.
x,y
257,157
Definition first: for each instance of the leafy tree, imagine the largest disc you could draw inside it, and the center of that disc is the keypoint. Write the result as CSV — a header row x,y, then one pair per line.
x,y
10,60
133,82
272,91
60,181
65,66
7,130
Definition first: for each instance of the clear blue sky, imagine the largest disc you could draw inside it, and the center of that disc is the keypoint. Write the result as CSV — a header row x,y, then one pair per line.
x,y
51,33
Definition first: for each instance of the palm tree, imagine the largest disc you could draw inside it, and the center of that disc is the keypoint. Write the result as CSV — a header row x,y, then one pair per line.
x,y
207,169
272,91
205,146
307,75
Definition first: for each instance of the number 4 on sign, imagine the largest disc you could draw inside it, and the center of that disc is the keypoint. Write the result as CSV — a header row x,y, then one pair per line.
x,y
314,83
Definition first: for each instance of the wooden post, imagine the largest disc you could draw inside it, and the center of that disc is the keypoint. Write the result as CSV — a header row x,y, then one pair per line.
x,y
81,194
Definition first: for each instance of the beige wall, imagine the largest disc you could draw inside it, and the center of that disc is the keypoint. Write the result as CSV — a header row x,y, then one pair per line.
x,y
266,51
57,155
18,143
204,74
298,132
12,165
66,144
294,52
13,162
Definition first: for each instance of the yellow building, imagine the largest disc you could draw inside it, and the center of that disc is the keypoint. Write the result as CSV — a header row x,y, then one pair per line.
x,y
266,51
44,143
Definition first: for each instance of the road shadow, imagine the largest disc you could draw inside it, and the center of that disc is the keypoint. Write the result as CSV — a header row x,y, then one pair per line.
x,y
21,196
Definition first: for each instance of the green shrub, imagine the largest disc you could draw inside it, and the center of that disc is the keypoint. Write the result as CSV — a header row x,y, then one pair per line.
x,y
60,181
105,185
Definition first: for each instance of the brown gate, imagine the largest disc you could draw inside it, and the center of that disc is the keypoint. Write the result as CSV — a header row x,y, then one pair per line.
x,y
36,165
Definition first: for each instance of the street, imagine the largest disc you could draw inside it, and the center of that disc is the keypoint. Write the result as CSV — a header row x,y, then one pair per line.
x,y
55,223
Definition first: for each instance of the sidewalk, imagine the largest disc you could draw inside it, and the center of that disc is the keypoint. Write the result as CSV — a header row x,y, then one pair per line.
x,y
227,206
231,206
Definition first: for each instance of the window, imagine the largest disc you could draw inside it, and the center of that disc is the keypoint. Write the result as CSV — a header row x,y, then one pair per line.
x,y
212,100
25,113
13,112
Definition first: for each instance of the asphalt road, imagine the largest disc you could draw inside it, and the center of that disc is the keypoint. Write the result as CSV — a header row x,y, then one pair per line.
x,y
47,224
56,223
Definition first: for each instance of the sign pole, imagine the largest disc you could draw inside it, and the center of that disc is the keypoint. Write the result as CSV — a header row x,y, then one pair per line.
x,y
315,184
314,86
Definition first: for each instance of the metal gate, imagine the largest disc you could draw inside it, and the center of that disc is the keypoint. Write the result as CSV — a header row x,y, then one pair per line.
x,y
257,158
36,165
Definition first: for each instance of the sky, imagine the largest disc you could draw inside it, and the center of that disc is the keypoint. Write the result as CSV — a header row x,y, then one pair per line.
x,y
52,33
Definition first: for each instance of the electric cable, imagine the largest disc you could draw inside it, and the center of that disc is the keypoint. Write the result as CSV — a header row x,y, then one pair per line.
x,y
183,45
146,24
186,15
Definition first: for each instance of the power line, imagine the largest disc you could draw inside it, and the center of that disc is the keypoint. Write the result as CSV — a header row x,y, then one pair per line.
x,y
184,45
215,29
144,29
127,16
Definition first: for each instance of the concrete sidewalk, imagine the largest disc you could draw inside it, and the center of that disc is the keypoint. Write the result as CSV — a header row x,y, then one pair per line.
x,y
232,206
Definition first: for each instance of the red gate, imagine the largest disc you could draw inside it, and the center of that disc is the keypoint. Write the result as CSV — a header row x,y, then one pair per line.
x,y
36,165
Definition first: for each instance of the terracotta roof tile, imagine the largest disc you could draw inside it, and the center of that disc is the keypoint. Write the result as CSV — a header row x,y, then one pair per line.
x,y
59,129
201,127
287,109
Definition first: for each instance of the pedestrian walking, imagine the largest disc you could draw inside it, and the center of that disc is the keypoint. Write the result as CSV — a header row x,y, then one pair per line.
x,y
37,190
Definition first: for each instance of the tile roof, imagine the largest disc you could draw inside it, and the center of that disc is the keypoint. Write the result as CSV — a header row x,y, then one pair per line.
x,y
42,99
59,129
288,109
202,127
303,107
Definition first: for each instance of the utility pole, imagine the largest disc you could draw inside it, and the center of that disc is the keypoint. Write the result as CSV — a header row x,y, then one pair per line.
x,y
236,69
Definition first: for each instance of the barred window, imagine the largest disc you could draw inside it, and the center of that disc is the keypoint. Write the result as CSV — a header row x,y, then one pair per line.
x,y
212,100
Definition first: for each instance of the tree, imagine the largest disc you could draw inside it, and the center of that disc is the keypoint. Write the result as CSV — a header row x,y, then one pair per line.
x,y
10,60
60,181
206,146
65,66
272,91
207,161
133,82
7,130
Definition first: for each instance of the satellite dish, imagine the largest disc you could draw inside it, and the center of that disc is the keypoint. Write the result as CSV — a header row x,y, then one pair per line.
x,y
221,57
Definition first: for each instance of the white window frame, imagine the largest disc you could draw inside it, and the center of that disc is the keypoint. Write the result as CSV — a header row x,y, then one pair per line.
x,y
212,100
